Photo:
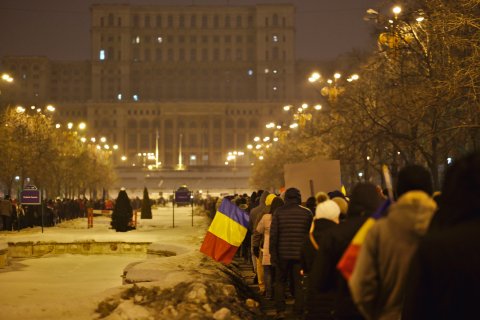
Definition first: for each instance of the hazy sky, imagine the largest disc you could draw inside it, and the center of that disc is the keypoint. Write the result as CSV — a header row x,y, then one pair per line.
x,y
60,29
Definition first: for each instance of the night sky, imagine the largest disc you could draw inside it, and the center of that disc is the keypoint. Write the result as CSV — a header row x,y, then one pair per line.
x,y
60,29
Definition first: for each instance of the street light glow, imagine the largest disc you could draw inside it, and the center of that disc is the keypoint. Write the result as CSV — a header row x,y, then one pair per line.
x,y
286,108
294,125
396,10
115,147
304,106
58,125
69,125
20,109
83,139
337,75
314,77
50,108
249,146
256,139
355,77
82,125
103,139
123,158
420,19
318,107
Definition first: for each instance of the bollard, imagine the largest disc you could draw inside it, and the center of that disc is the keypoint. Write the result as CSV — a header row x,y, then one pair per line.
x,y
89,218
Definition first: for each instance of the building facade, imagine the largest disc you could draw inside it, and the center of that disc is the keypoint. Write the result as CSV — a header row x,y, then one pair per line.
x,y
179,81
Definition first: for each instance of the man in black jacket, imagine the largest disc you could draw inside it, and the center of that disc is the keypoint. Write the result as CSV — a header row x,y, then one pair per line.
x,y
290,226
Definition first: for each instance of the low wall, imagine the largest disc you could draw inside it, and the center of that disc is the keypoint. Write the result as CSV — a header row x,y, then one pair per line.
x,y
38,249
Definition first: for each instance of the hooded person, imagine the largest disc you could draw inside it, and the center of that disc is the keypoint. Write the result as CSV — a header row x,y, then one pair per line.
x,y
379,277
290,226
324,276
122,212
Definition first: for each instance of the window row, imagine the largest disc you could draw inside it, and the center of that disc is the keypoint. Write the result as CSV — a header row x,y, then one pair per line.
x,y
192,21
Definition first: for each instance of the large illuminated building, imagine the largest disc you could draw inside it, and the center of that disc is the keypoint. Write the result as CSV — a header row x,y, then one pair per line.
x,y
185,83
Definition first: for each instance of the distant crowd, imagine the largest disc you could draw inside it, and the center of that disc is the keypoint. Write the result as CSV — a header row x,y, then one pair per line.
x,y
15,216
369,255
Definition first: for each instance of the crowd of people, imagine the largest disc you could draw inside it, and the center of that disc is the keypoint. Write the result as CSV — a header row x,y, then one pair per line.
x,y
415,256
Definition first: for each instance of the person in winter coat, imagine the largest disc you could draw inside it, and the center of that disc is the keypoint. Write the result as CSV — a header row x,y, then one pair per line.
x,y
122,213
290,226
378,280
263,228
444,278
255,215
324,276
318,305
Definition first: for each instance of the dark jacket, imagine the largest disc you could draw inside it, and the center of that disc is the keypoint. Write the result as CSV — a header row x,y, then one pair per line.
x,y
309,251
324,276
290,226
444,277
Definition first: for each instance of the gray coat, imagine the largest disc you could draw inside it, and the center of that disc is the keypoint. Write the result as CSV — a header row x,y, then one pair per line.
x,y
378,280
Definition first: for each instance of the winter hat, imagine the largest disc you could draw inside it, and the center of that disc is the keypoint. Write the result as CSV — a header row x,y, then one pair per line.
x,y
321,197
342,204
269,199
328,210
335,194
414,177
293,195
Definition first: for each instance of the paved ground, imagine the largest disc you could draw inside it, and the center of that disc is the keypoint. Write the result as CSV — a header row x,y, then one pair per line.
x,y
267,306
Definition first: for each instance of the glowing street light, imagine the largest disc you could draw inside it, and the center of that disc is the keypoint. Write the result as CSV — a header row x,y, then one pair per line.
x,y
50,108
82,126
69,125
318,107
315,76
20,109
397,10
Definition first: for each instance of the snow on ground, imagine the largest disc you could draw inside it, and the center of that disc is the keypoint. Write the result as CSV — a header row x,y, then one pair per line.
x,y
71,286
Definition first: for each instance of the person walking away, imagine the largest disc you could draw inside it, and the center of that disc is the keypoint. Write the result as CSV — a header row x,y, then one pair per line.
x,y
324,276
379,277
444,278
318,305
255,215
290,226
263,228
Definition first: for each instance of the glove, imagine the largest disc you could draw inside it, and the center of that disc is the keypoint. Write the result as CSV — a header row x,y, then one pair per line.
x,y
256,251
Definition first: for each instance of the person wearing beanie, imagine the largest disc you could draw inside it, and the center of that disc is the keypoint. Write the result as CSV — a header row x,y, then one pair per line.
x,y
324,276
379,277
263,228
318,305
290,226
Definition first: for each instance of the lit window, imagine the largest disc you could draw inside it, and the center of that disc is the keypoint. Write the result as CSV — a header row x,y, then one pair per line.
x,y
250,72
275,38
193,157
135,97
102,55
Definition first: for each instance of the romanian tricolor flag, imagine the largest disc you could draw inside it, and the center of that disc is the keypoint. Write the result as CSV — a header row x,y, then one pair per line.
x,y
349,258
226,233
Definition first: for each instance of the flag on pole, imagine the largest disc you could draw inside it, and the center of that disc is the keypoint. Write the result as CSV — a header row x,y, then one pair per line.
x,y
226,232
